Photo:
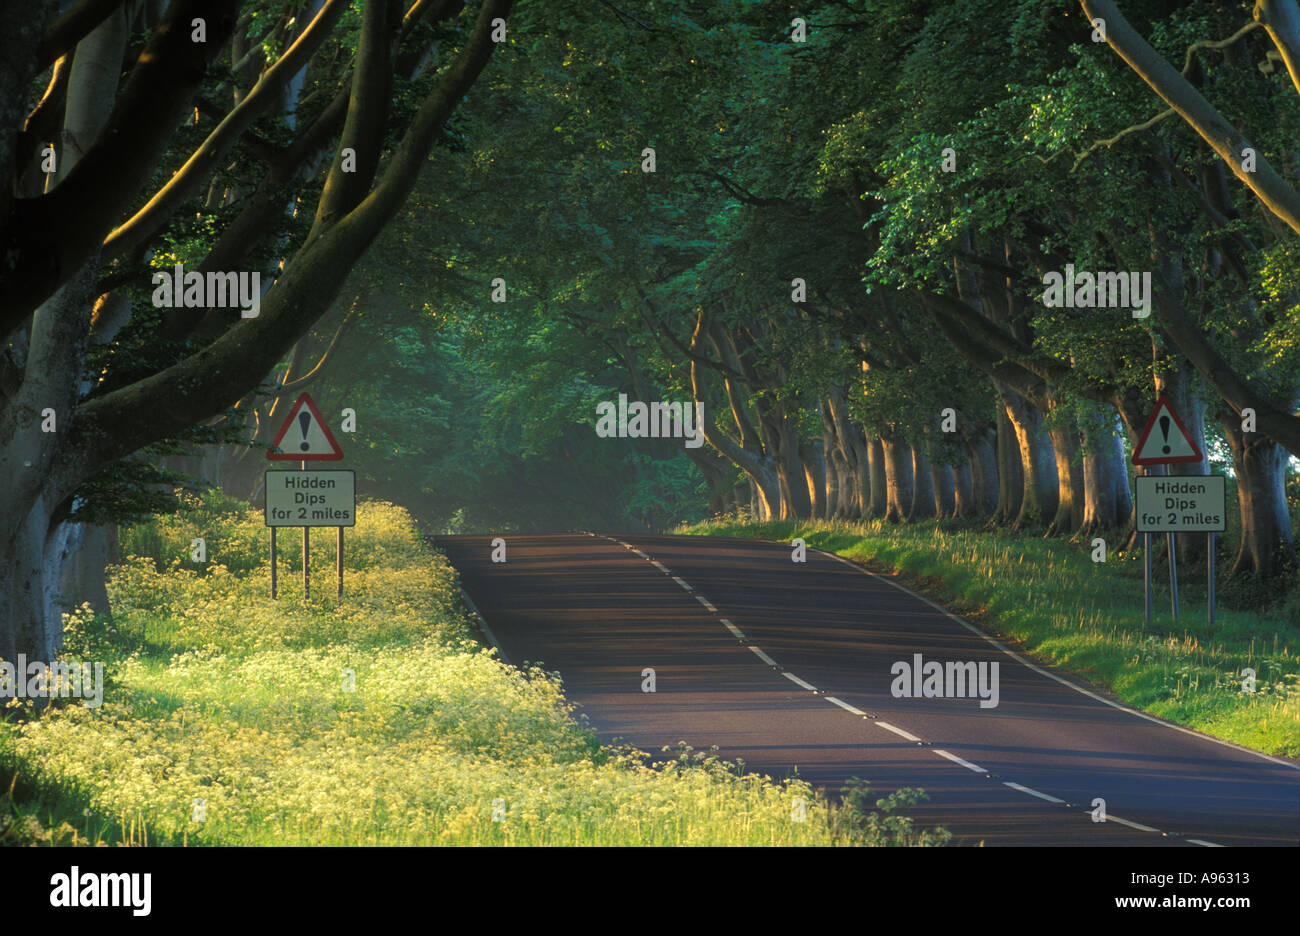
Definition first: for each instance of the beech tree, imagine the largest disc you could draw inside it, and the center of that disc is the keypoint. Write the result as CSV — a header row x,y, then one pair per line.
x,y
73,245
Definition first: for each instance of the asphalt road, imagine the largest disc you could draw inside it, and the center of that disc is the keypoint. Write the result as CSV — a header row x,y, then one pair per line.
x,y
737,633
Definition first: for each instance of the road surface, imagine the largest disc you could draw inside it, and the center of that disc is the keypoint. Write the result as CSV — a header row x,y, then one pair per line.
x,y
788,667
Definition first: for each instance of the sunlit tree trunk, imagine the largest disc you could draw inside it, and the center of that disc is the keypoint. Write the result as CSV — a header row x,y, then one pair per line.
x,y
1011,472
1107,500
1039,499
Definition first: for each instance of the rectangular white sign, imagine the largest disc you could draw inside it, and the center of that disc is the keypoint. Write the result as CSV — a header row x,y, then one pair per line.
x,y
311,498
1180,504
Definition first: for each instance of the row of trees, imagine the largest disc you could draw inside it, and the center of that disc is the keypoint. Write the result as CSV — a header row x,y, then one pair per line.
x,y
837,243
828,222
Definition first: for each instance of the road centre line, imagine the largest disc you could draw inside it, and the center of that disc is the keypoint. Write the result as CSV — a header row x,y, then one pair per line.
x,y
1050,675
905,734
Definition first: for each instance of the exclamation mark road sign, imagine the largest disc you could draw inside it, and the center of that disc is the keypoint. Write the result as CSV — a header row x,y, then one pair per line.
x,y
314,440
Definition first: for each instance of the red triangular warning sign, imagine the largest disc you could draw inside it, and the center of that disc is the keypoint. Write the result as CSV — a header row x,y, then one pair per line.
x,y
1165,440
304,436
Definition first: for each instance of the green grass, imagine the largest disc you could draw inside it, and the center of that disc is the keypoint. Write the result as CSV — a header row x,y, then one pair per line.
x,y
1049,598
217,693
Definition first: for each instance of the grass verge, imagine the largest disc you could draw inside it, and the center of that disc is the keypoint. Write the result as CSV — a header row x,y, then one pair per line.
x,y
229,718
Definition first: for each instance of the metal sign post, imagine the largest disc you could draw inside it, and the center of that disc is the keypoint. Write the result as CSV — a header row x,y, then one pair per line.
x,y
1180,504
306,554
307,499
1172,507
1173,564
327,499
1209,578
1146,542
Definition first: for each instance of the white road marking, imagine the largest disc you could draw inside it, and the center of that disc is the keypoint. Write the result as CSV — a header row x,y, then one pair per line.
x,y
762,656
844,705
957,760
1050,675
1131,825
795,679
913,738
898,731
1025,789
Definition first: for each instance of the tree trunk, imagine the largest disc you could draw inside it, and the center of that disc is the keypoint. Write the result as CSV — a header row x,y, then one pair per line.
x,y
1011,472
1069,473
943,480
1107,500
1039,500
877,492
898,479
982,449
814,471
83,577
1267,543
922,507
31,622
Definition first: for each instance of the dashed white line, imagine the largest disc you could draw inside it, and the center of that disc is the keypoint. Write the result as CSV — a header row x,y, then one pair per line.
x,y
898,731
762,656
844,705
795,679
947,755
957,760
1025,789
1050,675
1132,825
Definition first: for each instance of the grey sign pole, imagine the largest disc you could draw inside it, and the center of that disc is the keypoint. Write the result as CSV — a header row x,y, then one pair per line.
x,y
306,555
272,562
1173,563
1146,541
1209,580
340,561
1173,576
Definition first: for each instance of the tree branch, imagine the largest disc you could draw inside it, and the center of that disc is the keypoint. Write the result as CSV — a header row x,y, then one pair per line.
x,y
1179,93
45,240
190,177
